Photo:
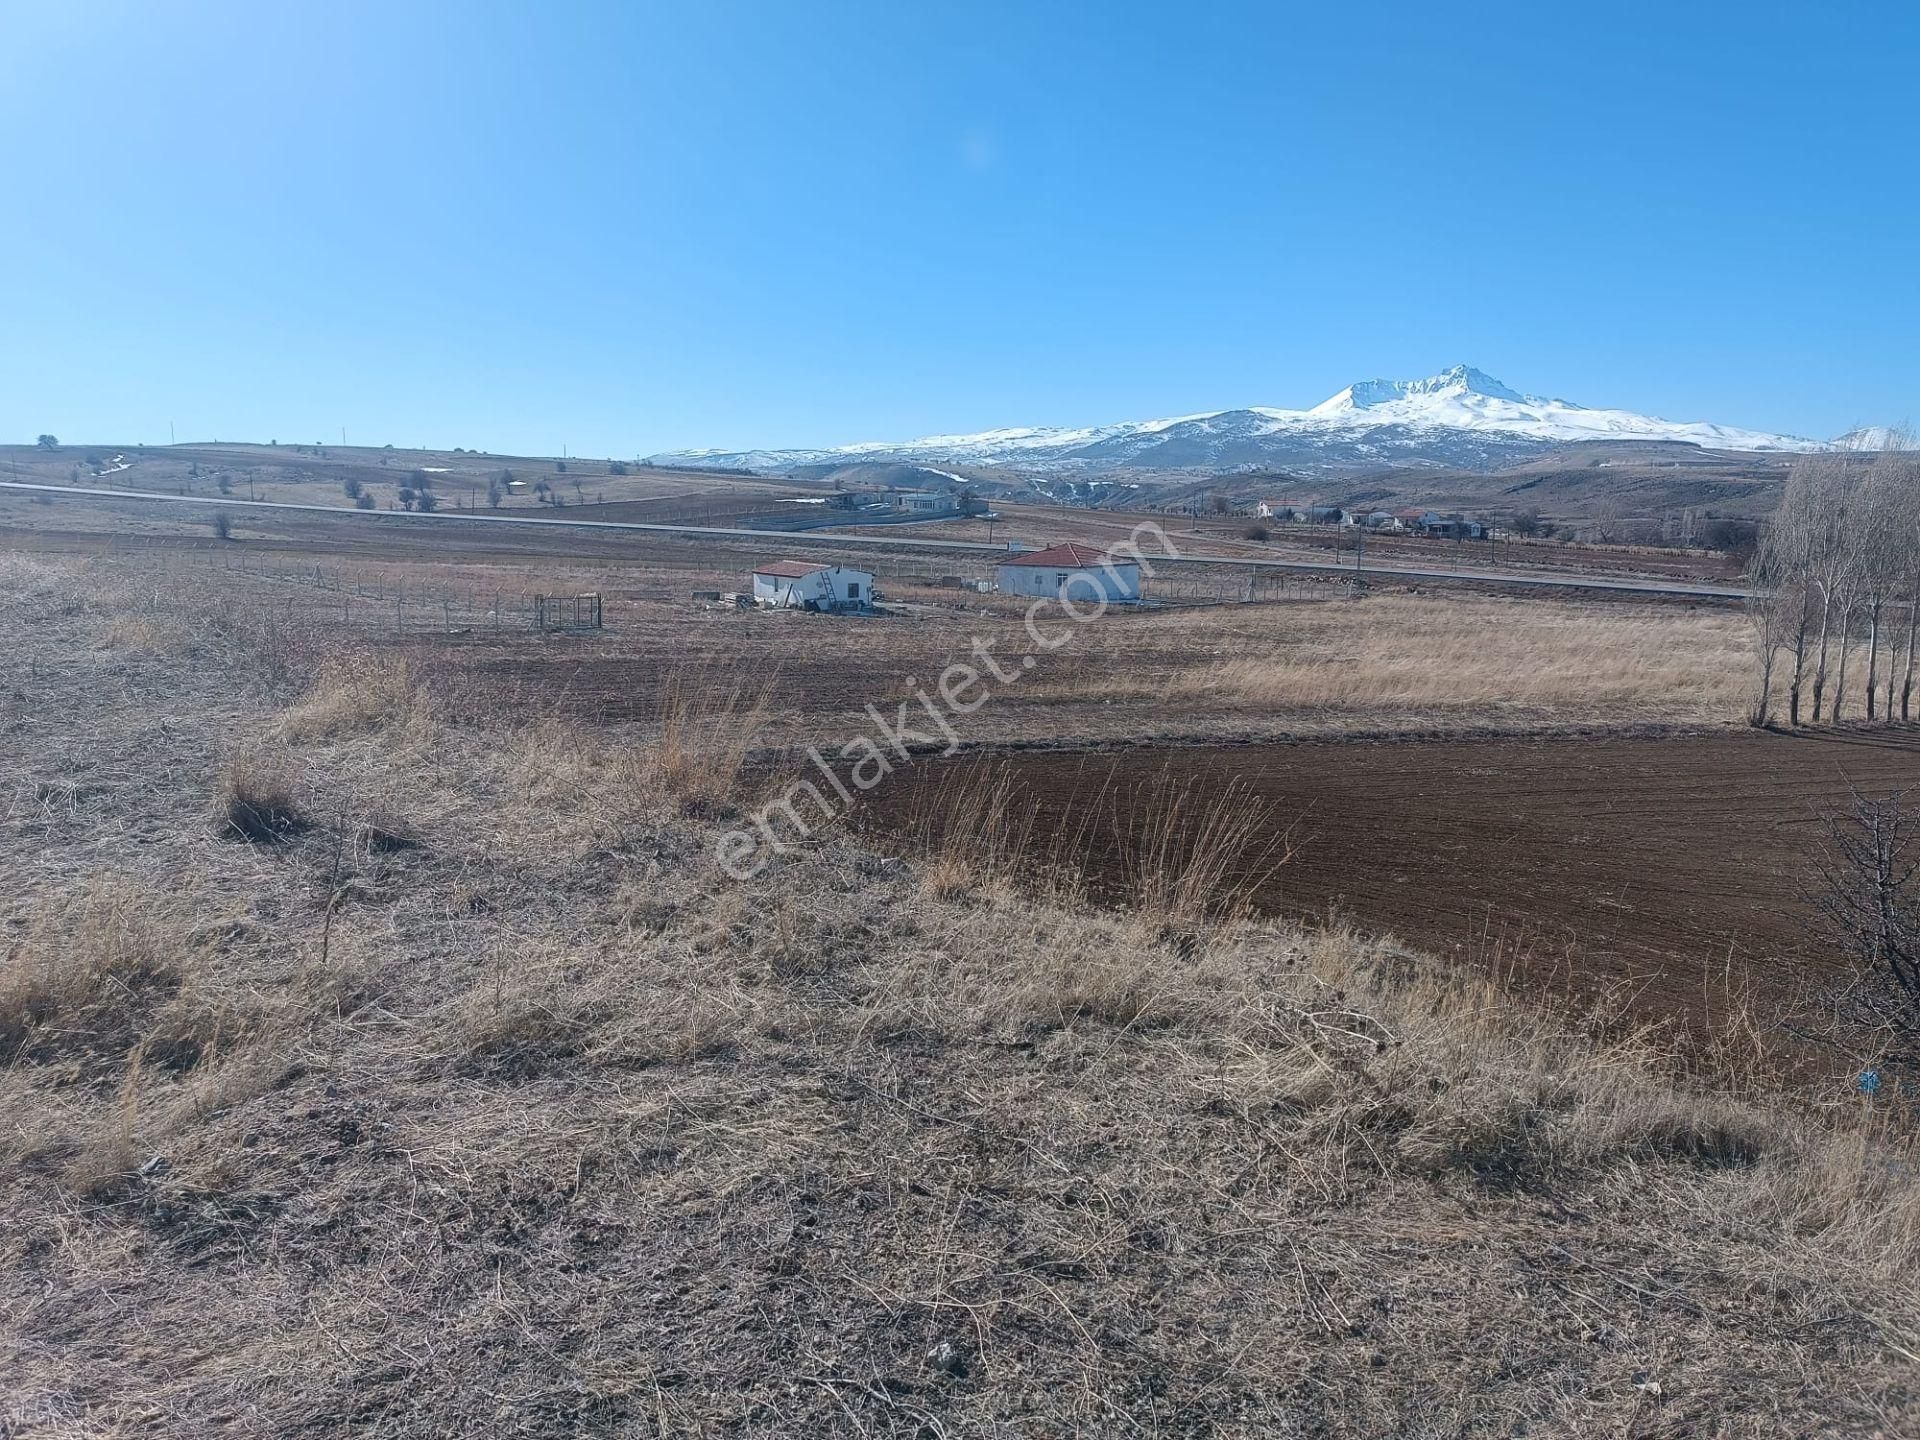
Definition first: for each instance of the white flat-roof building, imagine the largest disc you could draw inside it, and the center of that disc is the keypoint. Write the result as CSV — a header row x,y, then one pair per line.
x,y
811,585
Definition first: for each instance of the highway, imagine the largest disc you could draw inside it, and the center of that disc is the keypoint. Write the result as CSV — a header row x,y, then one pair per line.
x,y
1491,575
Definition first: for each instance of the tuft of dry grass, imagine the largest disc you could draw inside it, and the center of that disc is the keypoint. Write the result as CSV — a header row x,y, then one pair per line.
x,y
355,693
257,796
89,956
693,762
1181,857
709,727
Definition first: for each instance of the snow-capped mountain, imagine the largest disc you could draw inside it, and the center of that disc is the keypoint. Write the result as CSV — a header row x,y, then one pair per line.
x,y
1877,437
1460,418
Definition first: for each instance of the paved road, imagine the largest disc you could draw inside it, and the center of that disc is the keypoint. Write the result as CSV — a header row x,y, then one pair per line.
x,y
1491,576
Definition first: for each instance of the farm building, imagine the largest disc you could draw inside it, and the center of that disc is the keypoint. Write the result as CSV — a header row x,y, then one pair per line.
x,y
811,585
1454,527
925,502
1287,512
1072,571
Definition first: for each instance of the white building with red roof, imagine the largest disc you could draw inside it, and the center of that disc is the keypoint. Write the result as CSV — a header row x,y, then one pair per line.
x,y
1075,572
811,585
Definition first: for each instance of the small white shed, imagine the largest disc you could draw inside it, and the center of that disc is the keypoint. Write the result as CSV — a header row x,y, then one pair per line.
x,y
811,585
1072,571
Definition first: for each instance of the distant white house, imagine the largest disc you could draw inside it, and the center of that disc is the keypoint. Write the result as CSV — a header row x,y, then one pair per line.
x,y
1076,572
925,502
1285,511
811,585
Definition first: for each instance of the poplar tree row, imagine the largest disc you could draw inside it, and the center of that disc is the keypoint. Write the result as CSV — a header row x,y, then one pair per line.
x,y
1837,591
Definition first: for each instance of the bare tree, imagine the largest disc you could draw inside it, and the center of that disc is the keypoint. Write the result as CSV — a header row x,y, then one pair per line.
x,y
1869,899
1822,498
1877,544
1771,631
1837,566
1605,520
1902,490
1782,571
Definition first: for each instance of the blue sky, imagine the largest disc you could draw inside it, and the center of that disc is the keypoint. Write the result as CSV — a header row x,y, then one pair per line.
x,y
624,228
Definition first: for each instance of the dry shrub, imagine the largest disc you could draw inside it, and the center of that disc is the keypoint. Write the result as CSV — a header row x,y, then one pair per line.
x,y
354,694
257,796
89,957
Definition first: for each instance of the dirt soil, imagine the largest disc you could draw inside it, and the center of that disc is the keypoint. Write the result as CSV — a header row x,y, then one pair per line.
x,y
1640,866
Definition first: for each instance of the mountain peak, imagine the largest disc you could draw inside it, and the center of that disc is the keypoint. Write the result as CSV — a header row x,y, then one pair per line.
x,y
1464,377
1458,380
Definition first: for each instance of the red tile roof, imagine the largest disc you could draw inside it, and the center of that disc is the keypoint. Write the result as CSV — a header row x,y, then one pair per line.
x,y
1072,555
791,569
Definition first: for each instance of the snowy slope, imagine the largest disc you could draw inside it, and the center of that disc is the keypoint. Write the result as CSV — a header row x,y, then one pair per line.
x,y
1460,417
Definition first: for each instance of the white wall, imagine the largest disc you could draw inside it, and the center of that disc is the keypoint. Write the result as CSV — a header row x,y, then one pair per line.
x,y
1120,585
832,583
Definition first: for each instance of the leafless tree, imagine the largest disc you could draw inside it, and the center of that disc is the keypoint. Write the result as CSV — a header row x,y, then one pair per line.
x,y
1838,567
1605,520
1781,572
1870,899
1822,499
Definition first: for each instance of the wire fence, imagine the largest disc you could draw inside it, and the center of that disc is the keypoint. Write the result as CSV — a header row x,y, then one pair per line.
x,y
364,598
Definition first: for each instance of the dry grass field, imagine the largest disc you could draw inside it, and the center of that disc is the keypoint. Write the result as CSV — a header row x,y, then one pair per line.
x,y
1301,660
385,1053
317,474
622,491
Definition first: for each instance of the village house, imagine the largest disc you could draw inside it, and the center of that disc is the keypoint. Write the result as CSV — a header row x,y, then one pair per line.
x,y
811,585
1079,573
1287,512
926,502
1453,527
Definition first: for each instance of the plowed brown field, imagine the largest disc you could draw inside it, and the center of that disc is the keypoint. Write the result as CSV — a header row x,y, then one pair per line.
x,y
1651,868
